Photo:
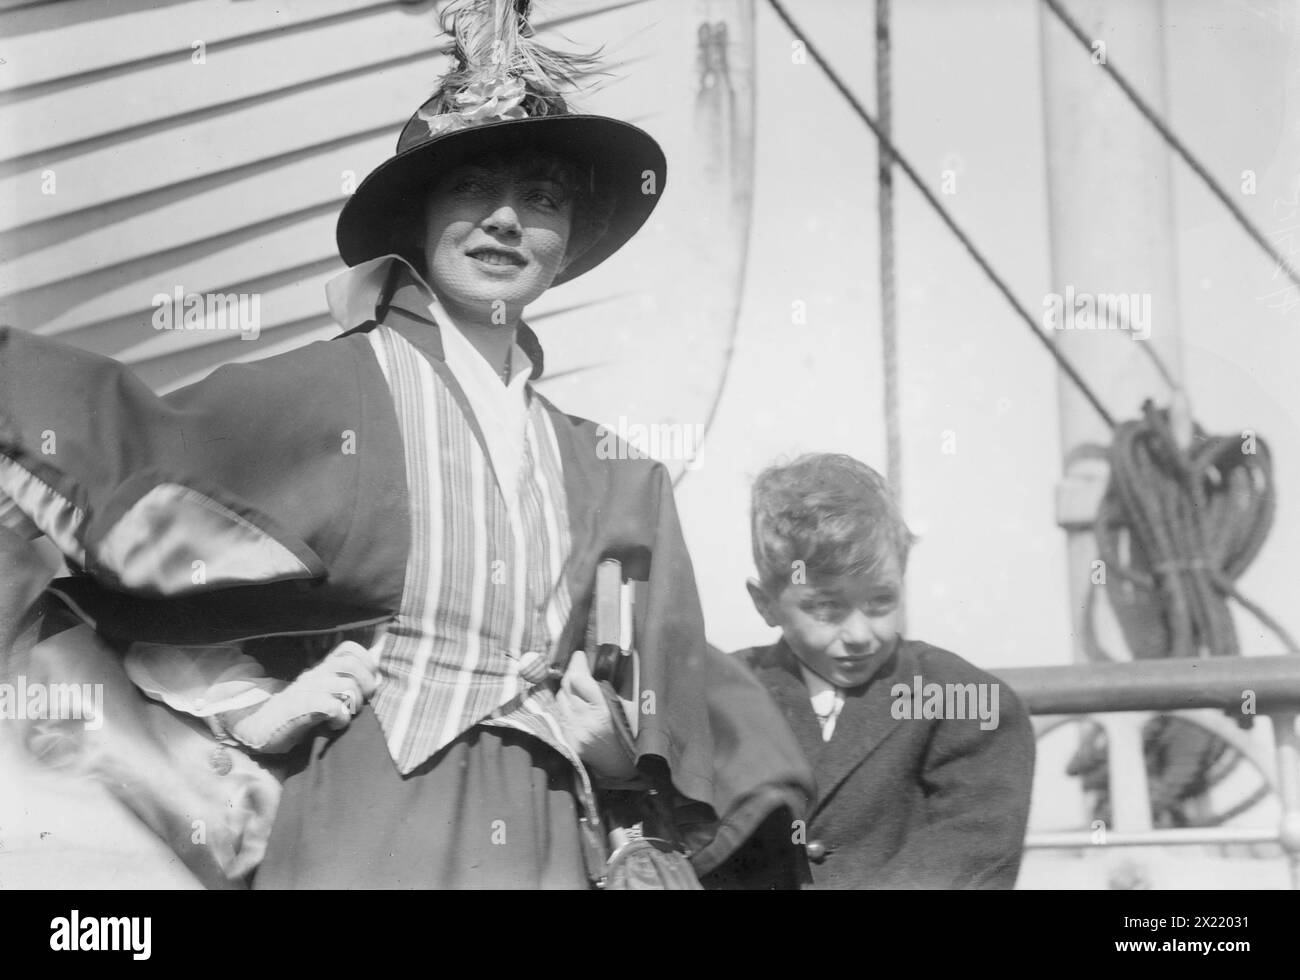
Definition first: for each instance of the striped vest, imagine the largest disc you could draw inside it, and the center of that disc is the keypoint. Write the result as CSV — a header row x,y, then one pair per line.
x,y
485,596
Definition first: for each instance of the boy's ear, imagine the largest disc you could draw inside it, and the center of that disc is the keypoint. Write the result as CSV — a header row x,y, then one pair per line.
x,y
765,605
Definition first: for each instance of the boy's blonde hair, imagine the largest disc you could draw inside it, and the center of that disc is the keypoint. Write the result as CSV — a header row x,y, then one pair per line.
x,y
829,511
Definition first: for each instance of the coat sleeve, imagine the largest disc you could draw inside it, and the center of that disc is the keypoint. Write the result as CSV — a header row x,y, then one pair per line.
x,y
977,786
267,498
122,480
674,724
704,723
763,783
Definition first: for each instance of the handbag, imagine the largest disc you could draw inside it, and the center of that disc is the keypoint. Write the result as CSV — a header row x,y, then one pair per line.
x,y
647,855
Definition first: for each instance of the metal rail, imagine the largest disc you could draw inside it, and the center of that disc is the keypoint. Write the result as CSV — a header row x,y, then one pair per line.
x,y
1159,685
1240,686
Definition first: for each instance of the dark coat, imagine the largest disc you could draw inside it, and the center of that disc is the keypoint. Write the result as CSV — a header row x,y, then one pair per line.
x,y
260,446
902,802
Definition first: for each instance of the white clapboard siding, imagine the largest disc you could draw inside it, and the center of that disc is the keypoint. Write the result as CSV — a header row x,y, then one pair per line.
x,y
163,89
263,195
85,43
213,144
279,307
96,297
196,149
170,90
301,296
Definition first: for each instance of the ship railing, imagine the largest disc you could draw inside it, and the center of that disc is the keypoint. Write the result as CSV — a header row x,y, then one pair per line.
x,y
1224,695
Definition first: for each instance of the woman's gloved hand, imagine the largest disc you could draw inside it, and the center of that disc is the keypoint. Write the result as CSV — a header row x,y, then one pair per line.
x,y
584,715
332,692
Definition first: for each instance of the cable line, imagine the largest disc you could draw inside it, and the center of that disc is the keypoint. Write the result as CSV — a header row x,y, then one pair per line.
x,y
888,145
1177,145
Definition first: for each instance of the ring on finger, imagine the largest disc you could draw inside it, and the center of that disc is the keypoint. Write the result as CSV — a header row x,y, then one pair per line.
x,y
348,701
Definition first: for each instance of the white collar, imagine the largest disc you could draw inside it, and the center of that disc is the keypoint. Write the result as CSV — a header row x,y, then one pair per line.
x,y
353,294
827,700
501,410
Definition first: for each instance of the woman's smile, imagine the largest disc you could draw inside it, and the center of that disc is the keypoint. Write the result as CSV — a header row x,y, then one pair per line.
x,y
497,257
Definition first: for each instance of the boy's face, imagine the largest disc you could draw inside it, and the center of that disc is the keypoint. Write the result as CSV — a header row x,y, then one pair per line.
x,y
840,628
496,232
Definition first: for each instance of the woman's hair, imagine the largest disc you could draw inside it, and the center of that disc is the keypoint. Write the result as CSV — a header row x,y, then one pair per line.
x,y
829,511
593,206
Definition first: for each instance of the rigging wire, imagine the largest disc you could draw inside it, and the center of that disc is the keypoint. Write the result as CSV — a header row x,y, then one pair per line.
x,y
888,145
888,284
1177,145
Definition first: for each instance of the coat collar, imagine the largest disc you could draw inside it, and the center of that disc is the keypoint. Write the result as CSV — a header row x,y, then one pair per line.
x,y
373,291
778,669
863,725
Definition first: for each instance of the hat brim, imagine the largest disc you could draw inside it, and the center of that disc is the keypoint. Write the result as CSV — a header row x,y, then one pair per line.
x,y
621,155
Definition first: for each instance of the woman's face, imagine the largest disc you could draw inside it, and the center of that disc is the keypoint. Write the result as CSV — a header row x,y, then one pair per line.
x,y
495,235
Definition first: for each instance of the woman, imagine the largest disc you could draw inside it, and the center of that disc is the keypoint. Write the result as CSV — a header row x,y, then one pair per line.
x,y
404,484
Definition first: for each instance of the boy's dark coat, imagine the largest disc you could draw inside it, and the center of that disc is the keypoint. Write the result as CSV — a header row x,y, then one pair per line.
x,y
906,803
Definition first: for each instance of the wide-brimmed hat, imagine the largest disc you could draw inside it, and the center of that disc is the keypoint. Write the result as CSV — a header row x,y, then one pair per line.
x,y
505,93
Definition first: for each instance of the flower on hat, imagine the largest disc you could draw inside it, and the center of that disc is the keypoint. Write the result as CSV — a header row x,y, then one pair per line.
x,y
481,101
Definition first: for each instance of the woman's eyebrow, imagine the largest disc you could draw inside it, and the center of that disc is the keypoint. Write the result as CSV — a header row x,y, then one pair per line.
x,y
466,170
542,176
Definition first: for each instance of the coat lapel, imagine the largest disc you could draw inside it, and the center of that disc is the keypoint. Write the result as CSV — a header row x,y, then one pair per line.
x,y
864,723
586,484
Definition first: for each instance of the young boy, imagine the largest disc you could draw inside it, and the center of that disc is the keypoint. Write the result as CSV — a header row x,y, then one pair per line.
x,y
923,762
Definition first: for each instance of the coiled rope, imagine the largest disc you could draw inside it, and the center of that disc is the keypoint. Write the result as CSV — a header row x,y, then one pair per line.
x,y
1196,519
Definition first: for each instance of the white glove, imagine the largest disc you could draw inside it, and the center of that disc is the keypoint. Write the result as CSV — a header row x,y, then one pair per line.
x,y
585,719
332,692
